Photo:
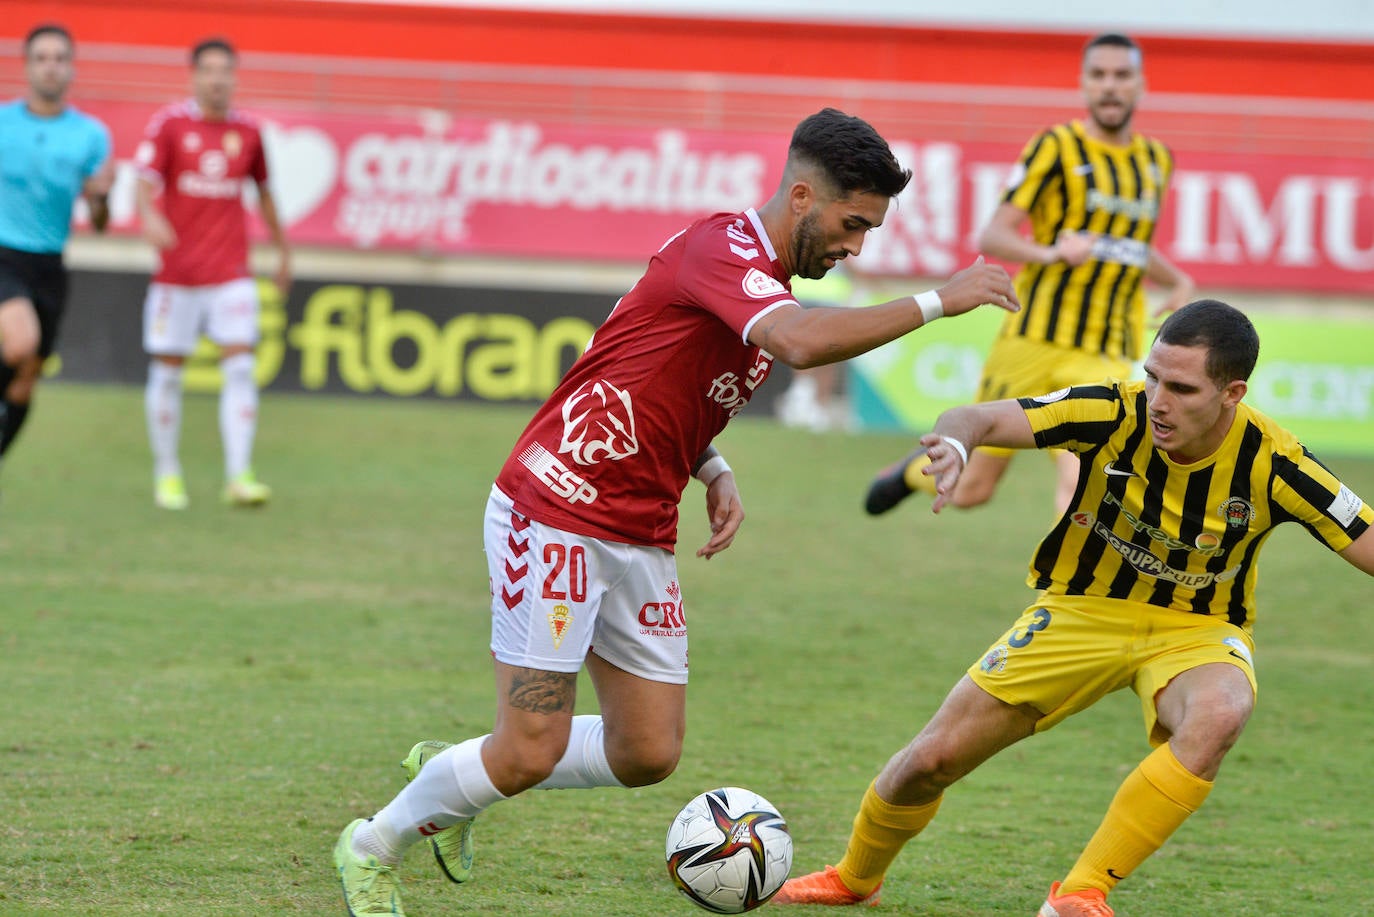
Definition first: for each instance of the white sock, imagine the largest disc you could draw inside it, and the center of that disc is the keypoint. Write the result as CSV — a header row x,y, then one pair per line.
x,y
584,765
453,786
238,413
162,405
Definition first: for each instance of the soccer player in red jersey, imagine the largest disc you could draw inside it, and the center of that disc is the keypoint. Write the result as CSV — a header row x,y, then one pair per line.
x,y
199,154
581,524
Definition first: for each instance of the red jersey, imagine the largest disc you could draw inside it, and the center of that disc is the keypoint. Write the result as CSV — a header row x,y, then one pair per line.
x,y
611,451
202,165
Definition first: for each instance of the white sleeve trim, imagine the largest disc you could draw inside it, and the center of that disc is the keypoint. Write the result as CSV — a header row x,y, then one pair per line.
x,y
776,304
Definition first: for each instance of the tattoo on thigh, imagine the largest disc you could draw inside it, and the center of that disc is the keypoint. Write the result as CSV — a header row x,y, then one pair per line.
x,y
538,691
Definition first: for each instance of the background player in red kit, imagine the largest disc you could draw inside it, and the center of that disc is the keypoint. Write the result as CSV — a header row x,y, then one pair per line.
x,y
199,153
582,521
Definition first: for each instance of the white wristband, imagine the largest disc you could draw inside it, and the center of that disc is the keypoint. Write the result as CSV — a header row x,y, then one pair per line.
x,y
956,446
931,306
711,469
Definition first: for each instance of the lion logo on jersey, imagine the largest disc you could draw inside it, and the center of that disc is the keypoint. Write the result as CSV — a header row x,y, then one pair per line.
x,y
598,422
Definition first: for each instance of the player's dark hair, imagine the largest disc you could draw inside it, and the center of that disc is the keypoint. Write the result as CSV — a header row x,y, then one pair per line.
x,y
47,28
212,44
1113,40
850,152
1231,341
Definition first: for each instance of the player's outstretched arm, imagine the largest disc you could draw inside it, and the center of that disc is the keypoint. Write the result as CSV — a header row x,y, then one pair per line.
x,y
803,338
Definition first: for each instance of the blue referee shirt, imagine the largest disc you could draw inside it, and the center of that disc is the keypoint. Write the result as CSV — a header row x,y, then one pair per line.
x,y
43,164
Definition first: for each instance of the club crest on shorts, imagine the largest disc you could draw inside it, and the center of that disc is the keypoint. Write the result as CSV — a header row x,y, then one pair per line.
x,y
995,660
560,620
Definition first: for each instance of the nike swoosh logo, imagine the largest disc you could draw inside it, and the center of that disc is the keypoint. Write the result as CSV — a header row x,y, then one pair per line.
x,y
1119,471
1112,873
1085,169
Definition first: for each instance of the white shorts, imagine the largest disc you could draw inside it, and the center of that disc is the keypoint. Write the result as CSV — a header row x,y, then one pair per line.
x,y
555,595
174,317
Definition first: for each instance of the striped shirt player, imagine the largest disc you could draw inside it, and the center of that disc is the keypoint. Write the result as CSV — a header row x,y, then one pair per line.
x,y
1146,529
1071,182
1091,192
1147,581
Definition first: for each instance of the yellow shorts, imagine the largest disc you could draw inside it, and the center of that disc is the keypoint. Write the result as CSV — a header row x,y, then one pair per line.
x,y
1018,367
1065,653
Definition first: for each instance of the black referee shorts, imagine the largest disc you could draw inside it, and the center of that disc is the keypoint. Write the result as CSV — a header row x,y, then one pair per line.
x,y
42,280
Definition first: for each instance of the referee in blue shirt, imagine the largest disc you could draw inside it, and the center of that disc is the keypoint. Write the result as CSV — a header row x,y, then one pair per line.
x,y
49,154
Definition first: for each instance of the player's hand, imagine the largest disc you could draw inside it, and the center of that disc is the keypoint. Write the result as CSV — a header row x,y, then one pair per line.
x,y
1178,298
158,231
724,511
946,464
1073,248
977,284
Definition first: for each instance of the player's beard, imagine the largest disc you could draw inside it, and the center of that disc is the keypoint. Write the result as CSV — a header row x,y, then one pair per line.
x,y
808,248
1119,124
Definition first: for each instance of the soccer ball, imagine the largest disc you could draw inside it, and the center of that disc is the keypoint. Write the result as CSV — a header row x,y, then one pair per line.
x,y
729,850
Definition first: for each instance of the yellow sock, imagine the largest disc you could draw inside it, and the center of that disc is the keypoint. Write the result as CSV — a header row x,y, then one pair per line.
x,y
880,831
914,477
1154,800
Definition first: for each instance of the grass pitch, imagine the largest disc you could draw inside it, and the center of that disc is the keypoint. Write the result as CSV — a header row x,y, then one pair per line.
x,y
197,703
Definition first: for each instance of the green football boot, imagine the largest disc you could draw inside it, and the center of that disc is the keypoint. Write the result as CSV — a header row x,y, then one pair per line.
x,y
369,888
246,490
452,846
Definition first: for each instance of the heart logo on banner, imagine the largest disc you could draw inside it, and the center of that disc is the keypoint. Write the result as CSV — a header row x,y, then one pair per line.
x,y
305,164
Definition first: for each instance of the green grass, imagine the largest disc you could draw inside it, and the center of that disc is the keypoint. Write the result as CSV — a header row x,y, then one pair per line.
x,y
196,704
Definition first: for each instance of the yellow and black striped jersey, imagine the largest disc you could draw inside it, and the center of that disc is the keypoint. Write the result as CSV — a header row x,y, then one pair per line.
x,y
1144,528
1068,181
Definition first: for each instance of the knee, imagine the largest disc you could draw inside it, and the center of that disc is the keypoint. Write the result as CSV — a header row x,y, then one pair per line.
x,y
19,348
918,773
238,362
645,764
518,762
1225,721
647,772
1212,727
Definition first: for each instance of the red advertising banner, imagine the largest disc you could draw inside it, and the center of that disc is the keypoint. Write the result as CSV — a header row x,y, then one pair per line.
x,y
437,184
